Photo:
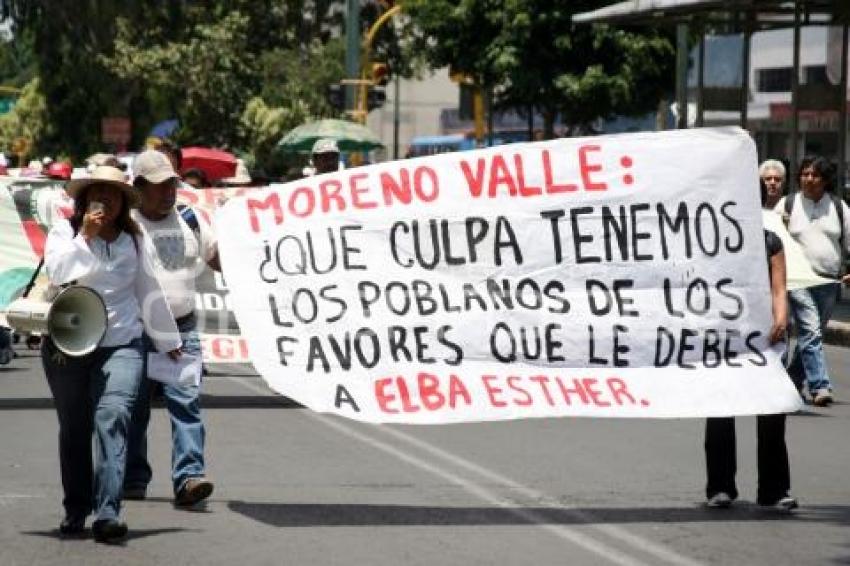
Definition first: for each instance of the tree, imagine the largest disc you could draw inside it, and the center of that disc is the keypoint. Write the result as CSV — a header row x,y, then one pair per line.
x,y
152,60
27,119
205,78
535,58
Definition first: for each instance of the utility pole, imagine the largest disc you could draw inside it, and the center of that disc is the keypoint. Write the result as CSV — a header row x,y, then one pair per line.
x,y
352,51
396,113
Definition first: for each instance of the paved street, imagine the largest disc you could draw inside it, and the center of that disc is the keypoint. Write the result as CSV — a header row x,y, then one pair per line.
x,y
294,487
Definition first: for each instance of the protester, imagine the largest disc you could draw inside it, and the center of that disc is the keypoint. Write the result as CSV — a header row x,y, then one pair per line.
x,y
100,159
174,154
820,222
101,247
182,244
196,178
774,475
772,172
325,156
241,178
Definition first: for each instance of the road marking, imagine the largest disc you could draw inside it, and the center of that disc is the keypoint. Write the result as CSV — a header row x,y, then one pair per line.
x,y
264,391
585,541
532,517
645,545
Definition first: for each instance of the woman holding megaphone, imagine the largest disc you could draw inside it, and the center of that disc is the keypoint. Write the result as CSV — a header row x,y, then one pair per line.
x,y
102,248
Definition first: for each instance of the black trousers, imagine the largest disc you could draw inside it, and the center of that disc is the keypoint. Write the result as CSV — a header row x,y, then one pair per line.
x,y
774,476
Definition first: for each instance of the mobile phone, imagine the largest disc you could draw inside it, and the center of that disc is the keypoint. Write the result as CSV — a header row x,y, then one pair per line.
x,y
95,206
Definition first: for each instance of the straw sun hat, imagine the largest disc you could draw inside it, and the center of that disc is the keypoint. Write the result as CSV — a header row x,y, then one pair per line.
x,y
103,175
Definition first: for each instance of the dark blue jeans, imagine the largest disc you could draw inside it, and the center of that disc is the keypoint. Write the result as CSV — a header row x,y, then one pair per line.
x,y
93,393
187,427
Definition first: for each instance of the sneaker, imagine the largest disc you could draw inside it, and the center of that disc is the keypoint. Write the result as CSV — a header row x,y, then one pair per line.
x,y
193,491
719,500
109,530
134,493
822,398
784,504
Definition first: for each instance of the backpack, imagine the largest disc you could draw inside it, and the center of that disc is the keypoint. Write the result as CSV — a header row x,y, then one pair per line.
x,y
839,210
187,213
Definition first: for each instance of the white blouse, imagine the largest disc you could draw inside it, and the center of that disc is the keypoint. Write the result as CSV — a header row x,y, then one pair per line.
x,y
124,279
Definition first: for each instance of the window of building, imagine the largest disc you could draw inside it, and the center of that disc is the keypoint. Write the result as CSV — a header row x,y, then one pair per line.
x,y
815,75
776,79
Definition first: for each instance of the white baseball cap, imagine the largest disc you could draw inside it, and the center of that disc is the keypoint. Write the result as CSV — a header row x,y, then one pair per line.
x,y
325,145
154,167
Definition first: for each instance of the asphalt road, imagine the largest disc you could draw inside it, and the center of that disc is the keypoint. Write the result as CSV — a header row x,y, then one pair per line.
x,y
295,487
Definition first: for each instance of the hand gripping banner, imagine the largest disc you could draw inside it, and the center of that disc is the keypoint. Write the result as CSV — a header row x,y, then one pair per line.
x,y
618,276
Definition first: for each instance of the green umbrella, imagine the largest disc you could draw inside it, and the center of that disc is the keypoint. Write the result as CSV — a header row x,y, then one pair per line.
x,y
348,135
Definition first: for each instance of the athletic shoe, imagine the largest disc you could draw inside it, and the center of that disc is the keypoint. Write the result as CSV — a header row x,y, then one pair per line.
x,y
109,530
785,504
193,491
822,398
719,500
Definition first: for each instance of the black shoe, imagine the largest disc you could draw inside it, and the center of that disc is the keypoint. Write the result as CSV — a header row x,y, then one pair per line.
x,y
108,530
134,493
72,526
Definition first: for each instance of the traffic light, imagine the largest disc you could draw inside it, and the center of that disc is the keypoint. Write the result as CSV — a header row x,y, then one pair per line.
x,y
375,98
335,96
380,74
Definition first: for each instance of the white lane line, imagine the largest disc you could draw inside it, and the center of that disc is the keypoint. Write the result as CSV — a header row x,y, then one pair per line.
x,y
657,550
529,515
264,391
561,531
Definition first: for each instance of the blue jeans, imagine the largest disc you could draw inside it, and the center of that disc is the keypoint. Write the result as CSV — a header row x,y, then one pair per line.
x,y
812,307
93,393
187,428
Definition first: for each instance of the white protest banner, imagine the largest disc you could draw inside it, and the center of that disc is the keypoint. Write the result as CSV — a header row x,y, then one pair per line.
x,y
618,276
30,206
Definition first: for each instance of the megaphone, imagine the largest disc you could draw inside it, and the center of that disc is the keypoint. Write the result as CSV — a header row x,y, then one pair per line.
x,y
75,319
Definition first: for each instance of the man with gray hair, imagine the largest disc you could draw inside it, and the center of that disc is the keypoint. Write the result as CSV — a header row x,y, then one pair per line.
x,y
772,172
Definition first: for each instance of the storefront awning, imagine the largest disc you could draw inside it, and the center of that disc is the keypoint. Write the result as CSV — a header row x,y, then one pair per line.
x,y
760,12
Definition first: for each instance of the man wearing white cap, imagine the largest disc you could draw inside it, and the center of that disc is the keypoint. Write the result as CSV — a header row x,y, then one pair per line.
x,y
181,252
325,156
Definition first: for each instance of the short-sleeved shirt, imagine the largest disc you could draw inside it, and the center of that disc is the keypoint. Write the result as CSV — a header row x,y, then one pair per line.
x,y
772,245
180,256
815,226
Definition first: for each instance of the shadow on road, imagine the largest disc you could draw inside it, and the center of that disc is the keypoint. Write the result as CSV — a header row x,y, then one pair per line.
x,y
207,401
133,534
353,515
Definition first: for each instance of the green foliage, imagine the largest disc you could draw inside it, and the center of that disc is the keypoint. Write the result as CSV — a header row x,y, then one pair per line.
x,y
201,62
533,57
286,83
206,76
17,60
28,118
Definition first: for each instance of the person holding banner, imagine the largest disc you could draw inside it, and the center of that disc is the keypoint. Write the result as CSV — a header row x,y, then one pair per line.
x,y
101,247
820,222
774,474
183,244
